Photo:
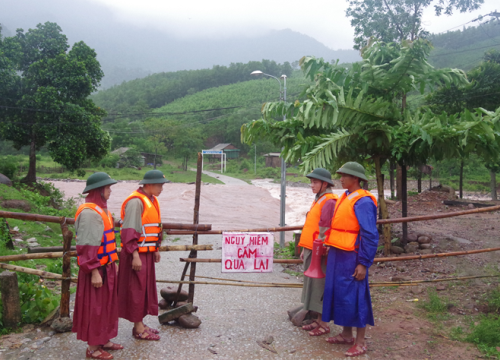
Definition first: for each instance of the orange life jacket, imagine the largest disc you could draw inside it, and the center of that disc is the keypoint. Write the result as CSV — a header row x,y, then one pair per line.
x,y
151,222
311,227
345,226
107,250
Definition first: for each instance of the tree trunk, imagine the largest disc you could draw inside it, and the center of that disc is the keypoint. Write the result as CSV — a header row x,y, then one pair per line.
x,y
493,177
31,176
430,180
404,202
461,181
392,166
383,207
399,189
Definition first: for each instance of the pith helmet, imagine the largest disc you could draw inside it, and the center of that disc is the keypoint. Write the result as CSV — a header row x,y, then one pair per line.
x,y
153,177
353,168
97,180
321,174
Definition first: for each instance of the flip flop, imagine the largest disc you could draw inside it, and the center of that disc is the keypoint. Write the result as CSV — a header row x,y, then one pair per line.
x,y
310,326
320,330
113,347
353,351
336,340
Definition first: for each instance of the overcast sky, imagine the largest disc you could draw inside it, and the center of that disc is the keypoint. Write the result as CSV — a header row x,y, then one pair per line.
x,y
323,20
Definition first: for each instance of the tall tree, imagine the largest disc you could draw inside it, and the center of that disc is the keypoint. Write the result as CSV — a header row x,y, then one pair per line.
x,y
49,99
397,20
355,114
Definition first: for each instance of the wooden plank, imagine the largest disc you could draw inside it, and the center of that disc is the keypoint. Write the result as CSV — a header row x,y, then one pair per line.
x,y
175,313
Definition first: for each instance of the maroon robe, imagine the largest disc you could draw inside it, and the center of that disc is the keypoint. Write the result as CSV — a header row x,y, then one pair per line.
x,y
95,319
137,289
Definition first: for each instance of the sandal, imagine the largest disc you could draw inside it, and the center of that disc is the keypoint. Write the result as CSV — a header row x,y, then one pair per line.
x,y
311,326
354,350
342,340
103,355
320,330
113,347
151,330
149,336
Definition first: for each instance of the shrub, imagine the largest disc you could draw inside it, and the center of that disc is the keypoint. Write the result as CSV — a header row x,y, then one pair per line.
x,y
8,167
109,161
486,335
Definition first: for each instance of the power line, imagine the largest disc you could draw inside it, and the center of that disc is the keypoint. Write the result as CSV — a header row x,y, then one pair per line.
x,y
462,51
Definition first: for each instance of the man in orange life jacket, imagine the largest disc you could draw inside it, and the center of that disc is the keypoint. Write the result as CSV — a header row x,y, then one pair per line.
x,y
95,319
352,243
141,235
317,224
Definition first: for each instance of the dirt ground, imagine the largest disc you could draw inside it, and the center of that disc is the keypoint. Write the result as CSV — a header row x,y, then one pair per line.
x,y
403,330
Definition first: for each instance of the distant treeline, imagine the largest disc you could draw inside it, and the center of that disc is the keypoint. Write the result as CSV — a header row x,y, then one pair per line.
x,y
468,36
157,90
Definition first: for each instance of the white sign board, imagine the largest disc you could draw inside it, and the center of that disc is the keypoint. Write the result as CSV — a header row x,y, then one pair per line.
x,y
212,152
247,252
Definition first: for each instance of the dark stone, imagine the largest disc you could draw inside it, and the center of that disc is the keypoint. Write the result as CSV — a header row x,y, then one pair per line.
x,y
62,325
425,246
174,314
417,290
424,240
189,321
398,278
299,317
425,252
411,248
412,237
5,180
397,250
16,204
440,287
169,293
163,304
415,243
291,313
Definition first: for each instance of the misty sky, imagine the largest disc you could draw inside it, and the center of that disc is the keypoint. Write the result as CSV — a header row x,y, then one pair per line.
x,y
323,20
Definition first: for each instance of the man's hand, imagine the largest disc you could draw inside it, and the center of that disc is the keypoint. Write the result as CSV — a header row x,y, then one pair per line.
x,y
302,254
96,279
157,257
136,261
360,272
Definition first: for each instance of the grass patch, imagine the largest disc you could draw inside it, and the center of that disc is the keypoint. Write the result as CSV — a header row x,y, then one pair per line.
x,y
486,335
287,252
436,307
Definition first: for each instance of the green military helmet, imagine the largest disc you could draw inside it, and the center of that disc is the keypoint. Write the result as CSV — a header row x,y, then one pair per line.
x,y
353,168
321,174
153,177
97,180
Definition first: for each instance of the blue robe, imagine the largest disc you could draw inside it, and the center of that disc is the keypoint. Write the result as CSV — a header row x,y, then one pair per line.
x,y
346,300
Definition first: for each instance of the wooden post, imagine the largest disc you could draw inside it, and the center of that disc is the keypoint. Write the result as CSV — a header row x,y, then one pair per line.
x,y
404,202
493,184
461,179
67,237
10,299
392,166
196,219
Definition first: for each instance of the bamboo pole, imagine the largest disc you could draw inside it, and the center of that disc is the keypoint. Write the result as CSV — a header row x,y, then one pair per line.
x,y
44,274
240,281
380,259
196,219
19,257
435,280
276,261
384,221
62,219
48,249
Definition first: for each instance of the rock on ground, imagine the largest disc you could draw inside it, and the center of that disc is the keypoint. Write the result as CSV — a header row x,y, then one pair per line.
x,y
169,294
62,325
5,180
189,321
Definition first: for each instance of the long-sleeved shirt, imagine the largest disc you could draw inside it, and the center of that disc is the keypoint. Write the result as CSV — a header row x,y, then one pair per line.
x,y
366,213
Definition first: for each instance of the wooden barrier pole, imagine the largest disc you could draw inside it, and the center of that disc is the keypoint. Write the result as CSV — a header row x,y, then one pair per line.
x,y
196,220
44,274
385,221
61,219
380,259
66,268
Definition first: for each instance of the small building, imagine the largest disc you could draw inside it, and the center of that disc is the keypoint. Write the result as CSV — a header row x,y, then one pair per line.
x,y
273,160
150,158
229,149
